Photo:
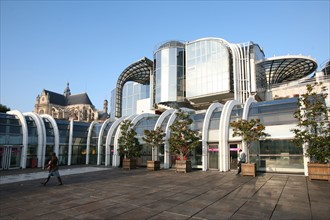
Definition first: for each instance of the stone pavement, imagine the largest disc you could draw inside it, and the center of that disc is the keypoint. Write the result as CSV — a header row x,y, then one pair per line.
x,y
113,193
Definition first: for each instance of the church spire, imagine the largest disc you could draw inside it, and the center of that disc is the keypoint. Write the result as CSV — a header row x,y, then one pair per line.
x,y
67,90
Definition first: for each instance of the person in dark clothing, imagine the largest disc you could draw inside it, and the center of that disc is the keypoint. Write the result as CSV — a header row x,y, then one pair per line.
x,y
242,159
53,170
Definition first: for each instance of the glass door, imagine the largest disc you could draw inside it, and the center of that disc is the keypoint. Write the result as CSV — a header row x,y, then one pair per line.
x,y
213,157
233,156
10,157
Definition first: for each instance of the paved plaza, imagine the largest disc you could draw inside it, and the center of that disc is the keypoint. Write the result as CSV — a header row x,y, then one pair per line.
x,y
113,193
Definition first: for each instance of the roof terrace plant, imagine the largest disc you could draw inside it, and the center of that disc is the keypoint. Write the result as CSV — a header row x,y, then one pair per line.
x,y
128,145
183,139
154,138
313,127
250,131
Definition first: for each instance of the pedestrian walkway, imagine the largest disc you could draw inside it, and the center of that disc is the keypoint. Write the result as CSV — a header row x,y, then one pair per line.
x,y
113,193
43,174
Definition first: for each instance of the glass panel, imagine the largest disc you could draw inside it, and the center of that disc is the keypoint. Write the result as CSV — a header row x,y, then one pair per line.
x,y
277,156
208,66
213,156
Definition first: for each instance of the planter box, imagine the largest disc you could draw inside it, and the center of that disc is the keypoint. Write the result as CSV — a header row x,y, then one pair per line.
x,y
248,169
318,171
153,165
183,166
129,164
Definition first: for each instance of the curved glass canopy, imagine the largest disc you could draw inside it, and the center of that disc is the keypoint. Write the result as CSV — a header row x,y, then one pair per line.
x,y
137,72
286,68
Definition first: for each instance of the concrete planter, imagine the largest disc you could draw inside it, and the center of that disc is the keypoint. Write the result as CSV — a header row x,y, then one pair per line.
x,y
153,165
248,169
183,166
318,171
129,164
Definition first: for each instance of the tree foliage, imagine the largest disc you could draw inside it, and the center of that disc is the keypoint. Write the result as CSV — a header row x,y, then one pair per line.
x,y
4,108
250,131
128,145
313,123
183,139
154,138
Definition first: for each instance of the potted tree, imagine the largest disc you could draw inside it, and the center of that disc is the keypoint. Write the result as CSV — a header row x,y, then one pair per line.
x,y
313,130
129,147
182,141
250,131
154,139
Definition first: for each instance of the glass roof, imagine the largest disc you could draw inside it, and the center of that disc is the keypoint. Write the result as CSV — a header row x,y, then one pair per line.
x,y
137,72
286,68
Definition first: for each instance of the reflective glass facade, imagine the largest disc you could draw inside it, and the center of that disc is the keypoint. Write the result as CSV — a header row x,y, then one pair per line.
x,y
277,156
50,138
274,154
93,144
11,142
213,129
104,139
64,133
274,112
169,72
113,104
32,142
132,92
79,141
147,123
207,68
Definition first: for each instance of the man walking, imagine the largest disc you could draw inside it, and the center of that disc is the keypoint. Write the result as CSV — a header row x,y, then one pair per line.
x,y
53,170
241,159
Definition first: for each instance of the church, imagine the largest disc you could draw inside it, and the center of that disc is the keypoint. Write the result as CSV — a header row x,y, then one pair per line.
x,y
65,106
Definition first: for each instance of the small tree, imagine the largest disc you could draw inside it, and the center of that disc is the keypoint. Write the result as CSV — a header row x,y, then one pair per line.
x,y
182,139
154,138
4,108
128,145
250,131
313,124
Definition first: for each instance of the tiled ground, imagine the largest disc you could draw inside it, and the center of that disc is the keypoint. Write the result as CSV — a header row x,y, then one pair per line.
x,y
140,194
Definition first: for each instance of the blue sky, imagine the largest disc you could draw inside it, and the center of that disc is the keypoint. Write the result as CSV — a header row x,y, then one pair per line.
x,y
45,44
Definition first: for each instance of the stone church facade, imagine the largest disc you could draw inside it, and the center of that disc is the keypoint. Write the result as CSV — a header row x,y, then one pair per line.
x,y
67,106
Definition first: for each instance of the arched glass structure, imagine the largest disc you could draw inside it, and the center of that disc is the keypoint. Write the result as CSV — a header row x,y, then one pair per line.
x,y
140,72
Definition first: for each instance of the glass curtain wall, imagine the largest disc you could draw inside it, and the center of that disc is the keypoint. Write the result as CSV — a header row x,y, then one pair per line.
x,y
50,139
11,142
208,68
64,133
79,141
112,145
147,123
169,72
213,140
196,155
234,147
132,92
104,139
161,149
93,144
276,155
112,103
31,154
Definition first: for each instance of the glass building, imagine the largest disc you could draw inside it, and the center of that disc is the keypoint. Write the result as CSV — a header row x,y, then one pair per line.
x,y
97,143
208,63
215,81
169,72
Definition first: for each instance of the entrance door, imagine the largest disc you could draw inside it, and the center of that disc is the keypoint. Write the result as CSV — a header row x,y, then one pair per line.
x,y
10,157
213,156
233,156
